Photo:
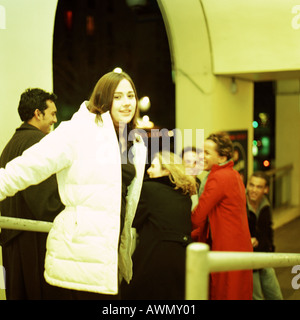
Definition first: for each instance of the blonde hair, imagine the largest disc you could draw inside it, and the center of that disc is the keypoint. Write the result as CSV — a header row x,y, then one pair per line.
x,y
177,175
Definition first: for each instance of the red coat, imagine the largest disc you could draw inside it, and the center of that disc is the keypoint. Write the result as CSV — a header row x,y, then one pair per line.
x,y
223,204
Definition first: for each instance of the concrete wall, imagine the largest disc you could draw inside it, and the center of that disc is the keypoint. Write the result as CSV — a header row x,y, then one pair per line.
x,y
26,37
288,132
203,100
25,56
258,37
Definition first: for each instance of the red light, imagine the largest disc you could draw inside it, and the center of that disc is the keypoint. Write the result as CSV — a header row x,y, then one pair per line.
x,y
266,163
69,19
90,25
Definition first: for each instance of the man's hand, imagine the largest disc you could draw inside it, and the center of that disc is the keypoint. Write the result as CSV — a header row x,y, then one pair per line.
x,y
254,242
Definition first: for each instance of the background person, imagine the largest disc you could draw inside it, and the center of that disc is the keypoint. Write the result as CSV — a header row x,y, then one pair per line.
x,y
85,250
265,283
221,214
163,224
24,252
193,161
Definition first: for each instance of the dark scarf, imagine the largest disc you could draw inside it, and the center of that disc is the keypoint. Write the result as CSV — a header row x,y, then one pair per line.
x,y
164,180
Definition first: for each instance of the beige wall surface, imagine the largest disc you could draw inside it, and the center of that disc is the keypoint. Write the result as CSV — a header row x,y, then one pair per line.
x,y
288,132
25,56
203,100
26,37
254,36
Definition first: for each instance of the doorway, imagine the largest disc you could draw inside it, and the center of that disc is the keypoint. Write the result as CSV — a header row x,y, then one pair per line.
x,y
92,37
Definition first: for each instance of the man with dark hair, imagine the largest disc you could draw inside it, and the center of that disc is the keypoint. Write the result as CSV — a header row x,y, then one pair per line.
x,y
265,283
37,108
24,252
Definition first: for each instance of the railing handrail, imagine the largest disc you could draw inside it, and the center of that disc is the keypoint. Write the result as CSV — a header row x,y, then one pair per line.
x,y
24,224
287,167
200,262
219,260
275,176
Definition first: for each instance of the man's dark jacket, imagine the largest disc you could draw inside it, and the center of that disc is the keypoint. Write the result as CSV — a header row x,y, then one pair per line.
x,y
40,202
260,225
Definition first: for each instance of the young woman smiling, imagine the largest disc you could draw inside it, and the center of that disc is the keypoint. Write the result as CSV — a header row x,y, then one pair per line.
x,y
89,245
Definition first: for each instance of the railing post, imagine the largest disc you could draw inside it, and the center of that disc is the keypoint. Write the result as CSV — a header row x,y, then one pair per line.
x,y
197,271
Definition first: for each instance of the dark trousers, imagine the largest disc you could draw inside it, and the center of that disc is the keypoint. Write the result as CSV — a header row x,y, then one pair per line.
x,y
23,260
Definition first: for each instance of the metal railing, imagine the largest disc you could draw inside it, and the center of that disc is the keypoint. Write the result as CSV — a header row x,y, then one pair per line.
x,y
25,224
200,262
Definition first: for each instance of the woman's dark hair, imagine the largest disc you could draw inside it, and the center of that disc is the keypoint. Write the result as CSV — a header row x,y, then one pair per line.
x,y
33,99
223,142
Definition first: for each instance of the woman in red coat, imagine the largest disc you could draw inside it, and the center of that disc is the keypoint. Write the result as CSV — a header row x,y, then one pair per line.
x,y
222,211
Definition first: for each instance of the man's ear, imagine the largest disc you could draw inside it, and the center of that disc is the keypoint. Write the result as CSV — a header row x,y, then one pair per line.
x,y
37,114
266,190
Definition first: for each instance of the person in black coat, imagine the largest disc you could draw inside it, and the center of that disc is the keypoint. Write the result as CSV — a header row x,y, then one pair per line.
x,y
24,252
163,223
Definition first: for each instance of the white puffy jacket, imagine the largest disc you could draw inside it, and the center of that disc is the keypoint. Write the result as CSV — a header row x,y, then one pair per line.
x,y
83,250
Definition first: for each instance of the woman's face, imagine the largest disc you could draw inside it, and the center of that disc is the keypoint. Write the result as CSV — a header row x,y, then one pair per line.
x,y
155,170
211,155
124,103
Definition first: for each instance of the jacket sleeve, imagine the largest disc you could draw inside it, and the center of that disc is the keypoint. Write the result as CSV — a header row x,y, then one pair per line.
x,y
39,162
43,199
211,196
142,212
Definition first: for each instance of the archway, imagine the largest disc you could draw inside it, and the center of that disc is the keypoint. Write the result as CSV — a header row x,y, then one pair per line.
x,y
93,37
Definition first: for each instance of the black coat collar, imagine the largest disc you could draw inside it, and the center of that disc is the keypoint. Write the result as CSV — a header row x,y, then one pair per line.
x,y
164,180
